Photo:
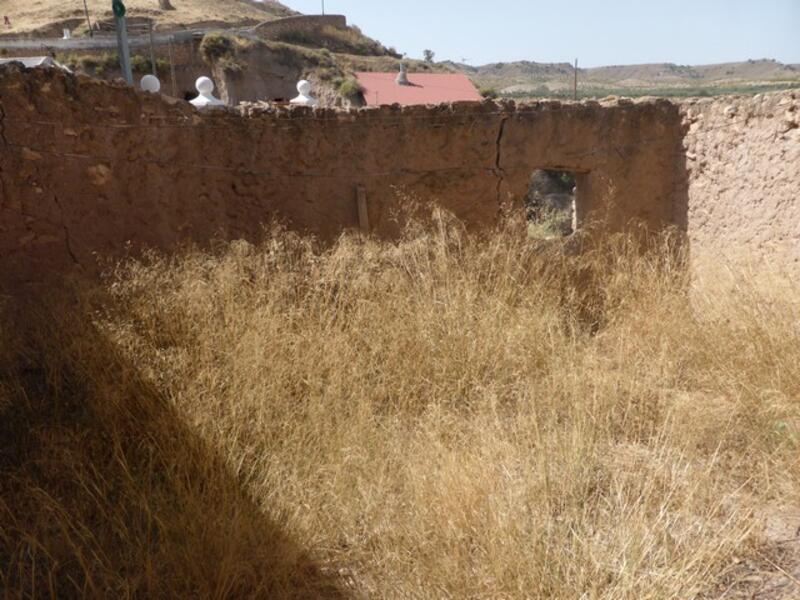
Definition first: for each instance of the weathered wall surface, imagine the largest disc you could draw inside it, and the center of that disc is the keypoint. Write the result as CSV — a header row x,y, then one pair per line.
x,y
743,163
90,168
271,30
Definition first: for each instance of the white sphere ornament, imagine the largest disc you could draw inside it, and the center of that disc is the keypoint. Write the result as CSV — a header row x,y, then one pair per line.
x,y
150,83
205,85
305,98
205,90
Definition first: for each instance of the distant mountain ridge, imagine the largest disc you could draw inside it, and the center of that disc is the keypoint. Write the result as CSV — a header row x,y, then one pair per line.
x,y
521,76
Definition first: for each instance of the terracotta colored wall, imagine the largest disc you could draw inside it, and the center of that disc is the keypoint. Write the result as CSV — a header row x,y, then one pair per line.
x,y
91,168
744,180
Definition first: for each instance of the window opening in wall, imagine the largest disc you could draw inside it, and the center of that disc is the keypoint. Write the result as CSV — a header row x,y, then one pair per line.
x,y
550,204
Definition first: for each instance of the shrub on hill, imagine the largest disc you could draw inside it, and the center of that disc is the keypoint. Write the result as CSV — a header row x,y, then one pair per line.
x,y
350,88
223,51
347,41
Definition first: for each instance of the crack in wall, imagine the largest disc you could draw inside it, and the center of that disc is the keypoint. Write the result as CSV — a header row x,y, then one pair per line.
x,y
499,172
67,242
3,125
5,143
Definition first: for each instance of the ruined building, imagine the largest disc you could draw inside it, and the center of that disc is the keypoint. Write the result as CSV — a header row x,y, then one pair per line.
x,y
91,168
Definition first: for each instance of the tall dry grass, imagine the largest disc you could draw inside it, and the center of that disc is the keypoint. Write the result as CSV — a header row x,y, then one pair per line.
x,y
442,417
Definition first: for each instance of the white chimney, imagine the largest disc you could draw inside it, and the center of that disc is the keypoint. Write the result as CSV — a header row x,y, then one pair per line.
x,y
402,76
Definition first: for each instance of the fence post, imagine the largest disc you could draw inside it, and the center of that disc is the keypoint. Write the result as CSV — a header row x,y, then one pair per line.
x,y
152,48
172,68
122,41
363,212
576,79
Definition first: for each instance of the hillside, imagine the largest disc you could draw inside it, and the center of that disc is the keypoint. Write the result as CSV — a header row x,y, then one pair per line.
x,y
539,78
521,79
249,68
48,17
328,54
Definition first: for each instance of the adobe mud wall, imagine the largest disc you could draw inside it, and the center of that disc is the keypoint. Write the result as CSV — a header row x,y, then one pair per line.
x,y
90,169
743,165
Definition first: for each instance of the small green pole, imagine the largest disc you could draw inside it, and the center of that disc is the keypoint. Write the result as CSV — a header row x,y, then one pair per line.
x,y
88,20
122,40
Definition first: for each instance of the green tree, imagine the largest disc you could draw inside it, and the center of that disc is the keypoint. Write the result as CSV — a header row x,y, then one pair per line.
x,y
428,55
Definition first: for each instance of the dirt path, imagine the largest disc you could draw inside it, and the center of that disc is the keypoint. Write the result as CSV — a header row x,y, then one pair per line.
x,y
775,574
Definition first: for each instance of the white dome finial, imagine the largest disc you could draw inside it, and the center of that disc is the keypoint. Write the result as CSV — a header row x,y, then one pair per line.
x,y
150,83
205,86
205,89
305,98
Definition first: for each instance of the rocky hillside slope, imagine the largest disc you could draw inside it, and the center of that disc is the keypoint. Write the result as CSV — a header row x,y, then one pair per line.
x,y
45,18
526,76
247,68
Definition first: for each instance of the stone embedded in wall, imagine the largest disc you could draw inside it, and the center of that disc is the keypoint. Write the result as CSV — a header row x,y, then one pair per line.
x,y
99,175
31,155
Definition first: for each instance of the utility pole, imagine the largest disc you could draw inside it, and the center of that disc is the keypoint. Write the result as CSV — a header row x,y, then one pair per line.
x,y
88,21
576,79
122,40
152,48
323,7
172,68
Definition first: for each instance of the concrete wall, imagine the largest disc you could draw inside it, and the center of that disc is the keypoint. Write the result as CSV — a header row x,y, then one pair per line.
x,y
272,30
743,163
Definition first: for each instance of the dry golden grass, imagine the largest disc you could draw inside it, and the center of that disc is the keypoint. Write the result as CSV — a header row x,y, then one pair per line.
x,y
43,15
444,417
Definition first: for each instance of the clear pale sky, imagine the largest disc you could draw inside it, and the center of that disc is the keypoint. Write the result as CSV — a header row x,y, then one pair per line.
x,y
598,32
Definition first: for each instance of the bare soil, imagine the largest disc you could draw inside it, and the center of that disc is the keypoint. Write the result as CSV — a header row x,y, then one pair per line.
x,y
47,17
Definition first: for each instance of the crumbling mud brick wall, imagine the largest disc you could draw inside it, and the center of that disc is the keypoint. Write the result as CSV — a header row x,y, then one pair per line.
x,y
89,168
743,164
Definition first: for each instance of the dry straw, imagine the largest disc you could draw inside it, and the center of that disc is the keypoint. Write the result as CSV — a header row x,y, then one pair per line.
x,y
442,417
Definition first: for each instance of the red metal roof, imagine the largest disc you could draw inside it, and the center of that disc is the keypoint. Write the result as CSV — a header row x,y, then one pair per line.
x,y
425,88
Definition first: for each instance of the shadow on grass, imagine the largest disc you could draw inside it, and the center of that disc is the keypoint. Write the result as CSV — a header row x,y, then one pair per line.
x,y
106,491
